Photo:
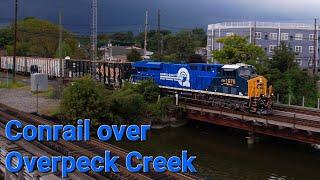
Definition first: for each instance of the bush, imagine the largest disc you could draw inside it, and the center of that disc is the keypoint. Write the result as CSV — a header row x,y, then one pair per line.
x,y
130,104
84,99
138,102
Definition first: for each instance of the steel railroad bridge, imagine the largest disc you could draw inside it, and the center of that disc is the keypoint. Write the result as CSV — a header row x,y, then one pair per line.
x,y
288,122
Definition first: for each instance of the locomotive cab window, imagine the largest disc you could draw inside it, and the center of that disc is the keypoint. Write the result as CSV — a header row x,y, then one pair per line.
x,y
229,73
247,73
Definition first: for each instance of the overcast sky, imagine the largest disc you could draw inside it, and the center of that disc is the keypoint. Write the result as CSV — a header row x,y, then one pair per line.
x,y
121,15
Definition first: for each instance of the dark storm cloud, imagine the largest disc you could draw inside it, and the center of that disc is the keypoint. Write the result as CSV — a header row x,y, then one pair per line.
x,y
121,15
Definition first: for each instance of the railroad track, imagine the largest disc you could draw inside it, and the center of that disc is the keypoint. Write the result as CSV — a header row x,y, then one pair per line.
x,y
297,109
37,149
89,148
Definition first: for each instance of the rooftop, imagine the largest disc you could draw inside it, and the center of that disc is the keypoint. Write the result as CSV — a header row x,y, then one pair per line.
x,y
248,24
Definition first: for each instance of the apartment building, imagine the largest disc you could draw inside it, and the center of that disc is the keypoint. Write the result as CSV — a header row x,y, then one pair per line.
x,y
299,37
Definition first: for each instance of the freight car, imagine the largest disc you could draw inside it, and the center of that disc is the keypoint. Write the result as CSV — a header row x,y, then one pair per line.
x,y
234,86
29,65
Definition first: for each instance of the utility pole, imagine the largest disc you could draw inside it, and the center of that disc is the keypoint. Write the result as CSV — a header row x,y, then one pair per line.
x,y
315,48
60,46
158,33
94,33
145,35
15,40
254,32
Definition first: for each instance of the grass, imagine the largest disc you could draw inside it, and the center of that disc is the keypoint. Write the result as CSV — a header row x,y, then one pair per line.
x,y
11,85
51,93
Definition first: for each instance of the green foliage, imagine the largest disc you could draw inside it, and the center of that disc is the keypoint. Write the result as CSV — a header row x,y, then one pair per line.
x,y
176,46
6,37
134,56
122,38
84,99
288,80
152,39
138,102
297,84
283,58
11,85
130,104
103,40
236,49
39,38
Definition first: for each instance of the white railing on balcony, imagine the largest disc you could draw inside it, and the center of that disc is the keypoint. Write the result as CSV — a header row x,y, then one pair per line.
x,y
249,24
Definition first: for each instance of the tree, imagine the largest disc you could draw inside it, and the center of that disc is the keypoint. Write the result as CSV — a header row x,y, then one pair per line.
x,y
103,40
84,99
152,39
289,80
134,56
236,49
6,37
122,38
283,58
181,44
41,38
200,37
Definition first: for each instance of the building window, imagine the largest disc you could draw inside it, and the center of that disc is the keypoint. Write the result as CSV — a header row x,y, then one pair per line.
x,y
284,36
299,61
311,37
310,62
272,48
299,36
258,35
273,36
298,49
229,34
311,49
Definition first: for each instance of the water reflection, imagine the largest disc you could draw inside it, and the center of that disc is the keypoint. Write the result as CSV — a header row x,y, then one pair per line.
x,y
223,153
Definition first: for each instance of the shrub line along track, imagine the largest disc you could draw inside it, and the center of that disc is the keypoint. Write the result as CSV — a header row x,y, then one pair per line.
x,y
89,148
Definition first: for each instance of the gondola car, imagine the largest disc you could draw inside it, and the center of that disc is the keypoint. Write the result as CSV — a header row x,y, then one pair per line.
x,y
235,86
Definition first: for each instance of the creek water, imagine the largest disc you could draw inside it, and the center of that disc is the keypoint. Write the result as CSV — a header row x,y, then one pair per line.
x,y
223,153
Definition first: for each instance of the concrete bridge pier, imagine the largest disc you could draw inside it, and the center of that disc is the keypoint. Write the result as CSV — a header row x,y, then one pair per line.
x,y
251,139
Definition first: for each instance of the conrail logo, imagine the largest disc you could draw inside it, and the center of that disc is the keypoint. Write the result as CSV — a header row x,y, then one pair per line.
x,y
182,77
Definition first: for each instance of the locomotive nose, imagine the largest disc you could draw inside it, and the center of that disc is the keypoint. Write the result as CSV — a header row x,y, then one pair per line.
x,y
257,87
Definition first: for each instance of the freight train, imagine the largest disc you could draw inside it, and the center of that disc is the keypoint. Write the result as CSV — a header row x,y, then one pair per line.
x,y
49,66
29,65
235,86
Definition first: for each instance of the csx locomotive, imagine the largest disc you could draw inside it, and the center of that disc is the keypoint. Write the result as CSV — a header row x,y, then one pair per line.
x,y
235,86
